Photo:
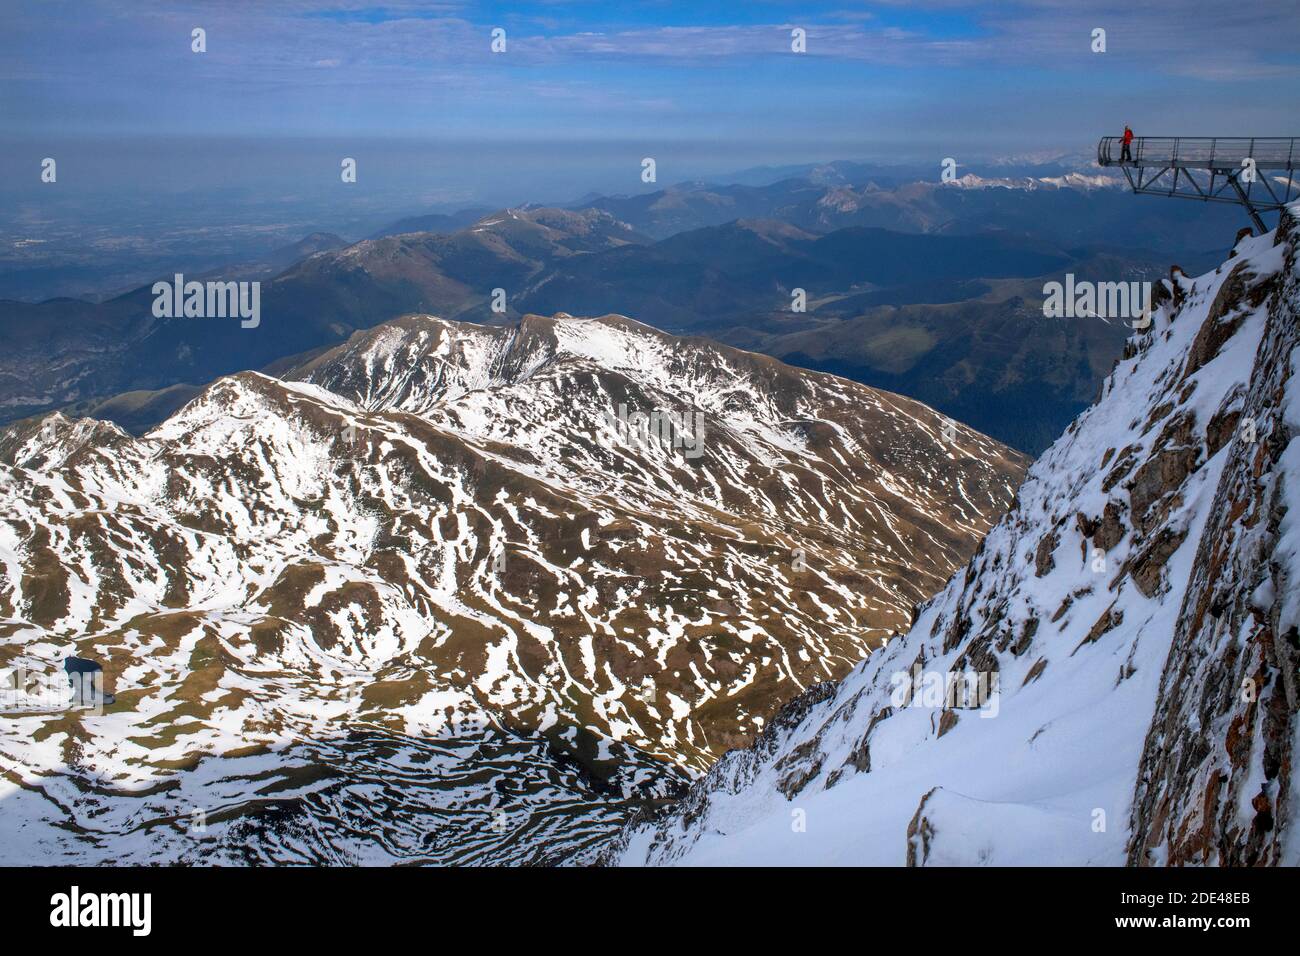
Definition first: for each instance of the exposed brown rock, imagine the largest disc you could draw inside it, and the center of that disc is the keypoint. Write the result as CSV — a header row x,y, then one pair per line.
x,y
1161,474
859,759
1110,619
1043,560
1221,429
1110,530
799,766
1145,569
1026,637
919,834
1123,465
1222,322
1035,672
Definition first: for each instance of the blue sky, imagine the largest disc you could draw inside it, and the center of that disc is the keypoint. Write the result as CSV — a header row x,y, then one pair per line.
x,y
716,82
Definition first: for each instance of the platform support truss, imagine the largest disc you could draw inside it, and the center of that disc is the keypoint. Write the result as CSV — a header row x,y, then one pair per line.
x,y
1258,173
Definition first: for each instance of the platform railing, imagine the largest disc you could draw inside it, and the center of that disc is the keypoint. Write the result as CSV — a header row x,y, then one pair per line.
x,y
1201,152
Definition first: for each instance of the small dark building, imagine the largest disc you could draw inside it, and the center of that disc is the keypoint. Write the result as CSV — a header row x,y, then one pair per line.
x,y
87,679
79,665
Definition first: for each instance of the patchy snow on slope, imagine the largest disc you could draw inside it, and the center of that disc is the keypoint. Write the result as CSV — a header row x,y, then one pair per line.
x,y
430,539
1067,611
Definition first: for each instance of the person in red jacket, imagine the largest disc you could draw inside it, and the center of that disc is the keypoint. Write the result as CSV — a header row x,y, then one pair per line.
x,y
1124,154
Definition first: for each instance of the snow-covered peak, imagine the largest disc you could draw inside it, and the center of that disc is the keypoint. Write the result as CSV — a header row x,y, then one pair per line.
x,y
458,567
1072,180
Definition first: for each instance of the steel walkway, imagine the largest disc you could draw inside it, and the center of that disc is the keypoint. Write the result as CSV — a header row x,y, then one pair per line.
x,y
1256,172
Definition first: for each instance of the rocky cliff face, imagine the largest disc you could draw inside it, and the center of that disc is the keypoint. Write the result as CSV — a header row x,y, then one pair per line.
x,y
445,593
1112,677
1216,783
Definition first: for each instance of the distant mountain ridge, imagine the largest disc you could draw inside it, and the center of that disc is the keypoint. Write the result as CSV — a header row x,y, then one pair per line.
x,y
855,239
66,351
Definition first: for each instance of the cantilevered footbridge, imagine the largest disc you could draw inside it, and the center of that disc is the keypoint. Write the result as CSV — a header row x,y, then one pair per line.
x,y
1256,172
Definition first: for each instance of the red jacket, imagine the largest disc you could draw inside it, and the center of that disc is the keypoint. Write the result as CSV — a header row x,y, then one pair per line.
x,y
1128,136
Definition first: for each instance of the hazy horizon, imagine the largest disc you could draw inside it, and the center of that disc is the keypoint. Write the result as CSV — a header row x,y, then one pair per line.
x,y
227,144
582,92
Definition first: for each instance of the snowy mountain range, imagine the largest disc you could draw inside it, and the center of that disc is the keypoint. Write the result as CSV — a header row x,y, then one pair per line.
x,y
452,593
575,590
1112,678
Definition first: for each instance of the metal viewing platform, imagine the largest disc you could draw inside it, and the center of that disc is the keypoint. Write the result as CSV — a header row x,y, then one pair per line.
x,y
1245,170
